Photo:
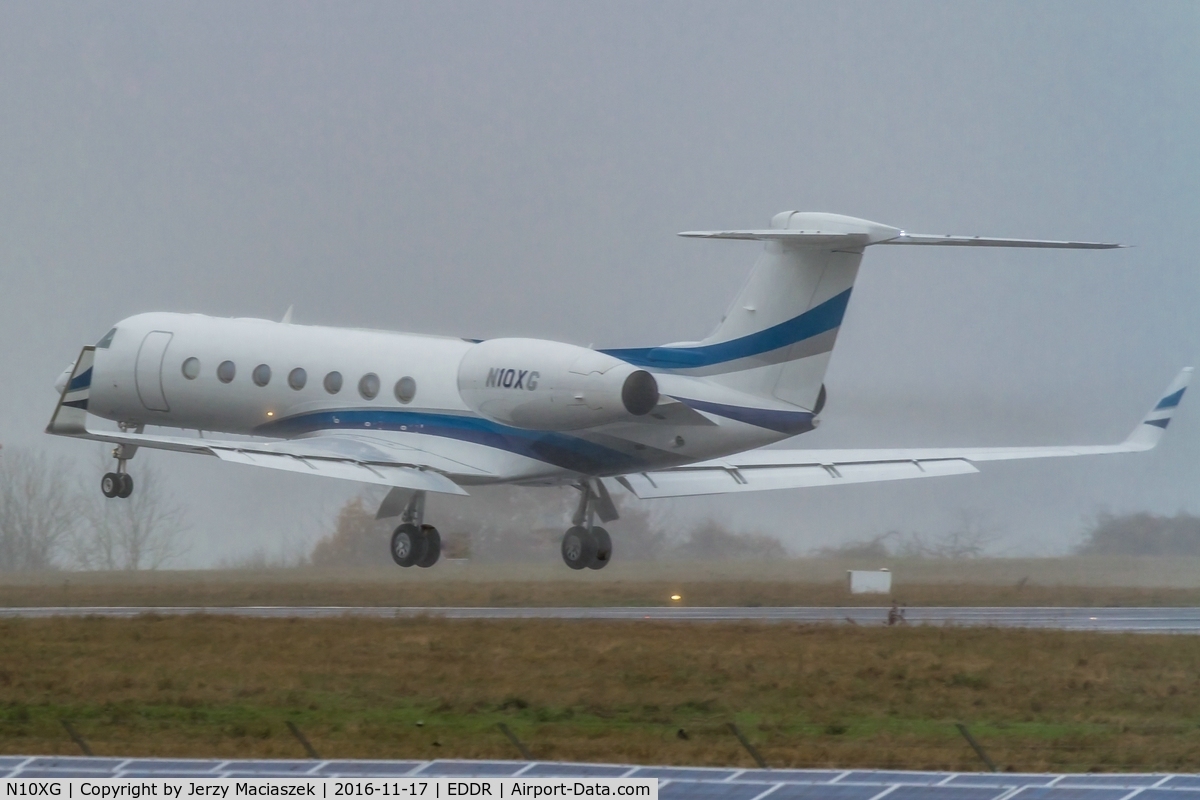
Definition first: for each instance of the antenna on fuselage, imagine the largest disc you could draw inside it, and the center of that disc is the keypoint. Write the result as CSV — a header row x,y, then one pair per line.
x,y
287,316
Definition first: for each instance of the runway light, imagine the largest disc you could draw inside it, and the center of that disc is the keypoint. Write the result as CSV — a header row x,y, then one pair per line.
x,y
676,597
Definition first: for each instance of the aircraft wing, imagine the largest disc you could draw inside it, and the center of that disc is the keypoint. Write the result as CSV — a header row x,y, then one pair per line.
x,y
351,456
760,470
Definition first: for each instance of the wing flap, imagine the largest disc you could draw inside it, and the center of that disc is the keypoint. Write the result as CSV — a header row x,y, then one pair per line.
x,y
731,479
381,474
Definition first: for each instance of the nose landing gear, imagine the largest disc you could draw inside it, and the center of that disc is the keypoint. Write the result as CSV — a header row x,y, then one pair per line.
x,y
586,545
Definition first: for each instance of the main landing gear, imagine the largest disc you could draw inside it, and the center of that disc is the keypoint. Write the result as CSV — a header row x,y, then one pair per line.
x,y
586,545
414,543
119,483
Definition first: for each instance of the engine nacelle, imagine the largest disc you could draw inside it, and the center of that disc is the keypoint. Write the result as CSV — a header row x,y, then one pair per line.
x,y
541,385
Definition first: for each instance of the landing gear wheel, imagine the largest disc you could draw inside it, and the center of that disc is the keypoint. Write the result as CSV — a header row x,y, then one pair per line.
x,y
603,548
408,545
578,547
126,485
111,484
433,546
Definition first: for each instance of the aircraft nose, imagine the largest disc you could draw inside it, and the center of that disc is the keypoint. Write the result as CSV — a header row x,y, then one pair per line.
x,y
61,383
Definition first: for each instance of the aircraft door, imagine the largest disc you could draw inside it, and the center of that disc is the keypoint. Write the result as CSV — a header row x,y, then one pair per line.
x,y
148,372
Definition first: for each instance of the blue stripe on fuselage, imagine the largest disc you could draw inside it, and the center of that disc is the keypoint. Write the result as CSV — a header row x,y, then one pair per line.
x,y
561,450
817,320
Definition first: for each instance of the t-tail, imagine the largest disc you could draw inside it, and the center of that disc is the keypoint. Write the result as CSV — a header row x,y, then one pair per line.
x,y
775,341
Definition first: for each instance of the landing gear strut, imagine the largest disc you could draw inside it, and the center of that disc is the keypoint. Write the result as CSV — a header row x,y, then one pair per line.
x,y
119,483
586,545
414,543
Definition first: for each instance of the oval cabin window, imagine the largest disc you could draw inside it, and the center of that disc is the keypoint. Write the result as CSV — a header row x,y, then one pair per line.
x,y
297,378
368,386
261,375
333,382
191,368
406,389
226,372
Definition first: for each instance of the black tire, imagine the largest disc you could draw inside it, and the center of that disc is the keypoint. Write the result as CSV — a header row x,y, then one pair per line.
x,y
126,485
110,484
603,548
578,547
408,545
433,546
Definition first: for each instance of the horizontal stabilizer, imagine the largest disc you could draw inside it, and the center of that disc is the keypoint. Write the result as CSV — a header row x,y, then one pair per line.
x,y
855,240
815,238
984,241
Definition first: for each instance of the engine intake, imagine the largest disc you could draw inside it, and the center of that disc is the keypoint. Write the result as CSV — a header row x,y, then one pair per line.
x,y
542,385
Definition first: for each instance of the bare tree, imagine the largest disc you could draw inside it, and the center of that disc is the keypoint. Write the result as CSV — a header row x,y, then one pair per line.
x,y
143,531
38,510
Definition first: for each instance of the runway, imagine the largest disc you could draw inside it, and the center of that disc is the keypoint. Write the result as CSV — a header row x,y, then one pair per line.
x,y
1112,620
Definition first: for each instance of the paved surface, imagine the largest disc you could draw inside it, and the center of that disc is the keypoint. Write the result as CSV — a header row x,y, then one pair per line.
x,y
1138,620
675,782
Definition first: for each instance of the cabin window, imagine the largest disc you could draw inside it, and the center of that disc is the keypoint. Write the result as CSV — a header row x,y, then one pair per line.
x,y
261,375
226,372
368,386
297,378
333,382
107,340
406,389
191,368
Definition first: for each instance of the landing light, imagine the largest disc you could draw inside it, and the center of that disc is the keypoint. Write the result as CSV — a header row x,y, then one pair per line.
x,y
270,413
676,597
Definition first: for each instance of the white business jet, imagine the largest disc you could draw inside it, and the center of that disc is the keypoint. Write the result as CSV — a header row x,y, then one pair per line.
x,y
433,414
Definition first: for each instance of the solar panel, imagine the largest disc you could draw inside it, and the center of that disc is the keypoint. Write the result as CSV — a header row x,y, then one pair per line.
x,y
362,769
894,776
826,791
575,771
681,790
678,782
290,768
1067,793
1181,782
684,773
63,773
472,769
74,762
1008,779
946,792
1131,780
791,775
157,765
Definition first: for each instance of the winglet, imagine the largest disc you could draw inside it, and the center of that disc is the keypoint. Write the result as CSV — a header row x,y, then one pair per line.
x,y
70,415
1150,430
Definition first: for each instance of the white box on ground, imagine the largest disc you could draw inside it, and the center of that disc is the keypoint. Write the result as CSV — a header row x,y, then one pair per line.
x,y
869,581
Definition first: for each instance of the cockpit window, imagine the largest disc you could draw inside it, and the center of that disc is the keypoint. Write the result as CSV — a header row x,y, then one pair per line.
x,y
107,340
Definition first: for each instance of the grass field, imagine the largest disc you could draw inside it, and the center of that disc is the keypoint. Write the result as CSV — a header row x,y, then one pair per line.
x,y
1027,582
640,692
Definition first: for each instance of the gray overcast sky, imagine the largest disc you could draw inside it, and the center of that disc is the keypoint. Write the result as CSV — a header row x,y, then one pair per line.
x,y
485,169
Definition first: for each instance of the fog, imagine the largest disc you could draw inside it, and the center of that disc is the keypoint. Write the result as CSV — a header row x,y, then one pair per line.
x,y
489,169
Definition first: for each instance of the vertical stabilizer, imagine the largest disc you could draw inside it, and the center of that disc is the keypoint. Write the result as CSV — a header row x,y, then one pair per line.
x,y
776,338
